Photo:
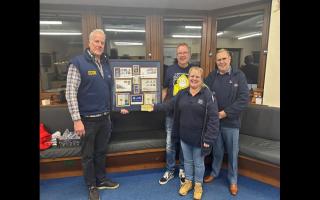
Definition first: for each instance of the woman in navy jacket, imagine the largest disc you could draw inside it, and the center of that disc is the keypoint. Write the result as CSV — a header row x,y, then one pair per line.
x,y
196,125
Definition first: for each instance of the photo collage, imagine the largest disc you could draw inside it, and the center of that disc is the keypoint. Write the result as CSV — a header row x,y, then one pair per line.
x,y
136,85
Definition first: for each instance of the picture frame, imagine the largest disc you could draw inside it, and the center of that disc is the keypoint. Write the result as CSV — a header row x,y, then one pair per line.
x,y
137,99
150,98
123,85
135,69
122,72
148,85
122,99
127,80
136,89
148,72
136,79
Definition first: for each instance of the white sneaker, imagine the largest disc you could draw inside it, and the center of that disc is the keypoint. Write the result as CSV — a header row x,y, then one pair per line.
x,y
182,176
167,176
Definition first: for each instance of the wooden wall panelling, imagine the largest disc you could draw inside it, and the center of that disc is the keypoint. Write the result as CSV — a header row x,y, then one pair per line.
x,y
89,23
208,44
154,35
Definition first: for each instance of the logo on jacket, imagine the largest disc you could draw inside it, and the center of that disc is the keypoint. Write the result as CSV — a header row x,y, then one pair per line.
x,y
92,72
200,101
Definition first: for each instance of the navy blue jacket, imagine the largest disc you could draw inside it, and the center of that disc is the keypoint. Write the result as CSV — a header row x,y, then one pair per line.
x,y
237,97
94,92
196,118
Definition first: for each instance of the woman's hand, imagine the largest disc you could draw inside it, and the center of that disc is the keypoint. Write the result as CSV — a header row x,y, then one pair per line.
x,y
124,111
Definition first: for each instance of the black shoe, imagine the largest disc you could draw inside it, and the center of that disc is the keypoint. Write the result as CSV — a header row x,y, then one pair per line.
x,y
107,184
93,193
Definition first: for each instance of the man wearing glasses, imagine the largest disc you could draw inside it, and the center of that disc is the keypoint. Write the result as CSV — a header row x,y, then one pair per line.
x,y
175,80
232,93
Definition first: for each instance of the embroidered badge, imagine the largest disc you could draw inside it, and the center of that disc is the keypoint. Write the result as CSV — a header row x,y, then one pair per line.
x,y
200,101
92,72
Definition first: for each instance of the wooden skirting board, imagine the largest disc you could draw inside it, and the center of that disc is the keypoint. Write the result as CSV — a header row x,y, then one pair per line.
x,y
116,162
152,159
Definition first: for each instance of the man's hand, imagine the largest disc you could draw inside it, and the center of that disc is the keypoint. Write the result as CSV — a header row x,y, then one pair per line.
x,y
124,111
222,114
206,145
79,128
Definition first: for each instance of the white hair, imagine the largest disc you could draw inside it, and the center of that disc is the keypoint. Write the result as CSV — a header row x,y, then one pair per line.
x,y
96,31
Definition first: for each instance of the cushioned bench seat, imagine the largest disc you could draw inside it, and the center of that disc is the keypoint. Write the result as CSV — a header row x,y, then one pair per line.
x,y
134,131
260,133
119,142
259,148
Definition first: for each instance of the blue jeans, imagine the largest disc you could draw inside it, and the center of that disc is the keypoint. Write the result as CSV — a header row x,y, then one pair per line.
x,y
229,139
193,162
171,147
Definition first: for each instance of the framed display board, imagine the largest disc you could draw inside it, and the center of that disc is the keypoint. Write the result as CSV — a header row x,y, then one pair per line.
x,y
136,84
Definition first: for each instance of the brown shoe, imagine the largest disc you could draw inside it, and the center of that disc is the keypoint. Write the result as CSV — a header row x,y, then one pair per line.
x,y
234,189
208,179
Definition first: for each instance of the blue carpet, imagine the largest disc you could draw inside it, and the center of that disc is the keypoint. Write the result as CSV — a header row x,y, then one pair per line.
x,y
143,185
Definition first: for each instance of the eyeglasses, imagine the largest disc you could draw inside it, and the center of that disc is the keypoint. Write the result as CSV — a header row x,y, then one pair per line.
x,y
182,53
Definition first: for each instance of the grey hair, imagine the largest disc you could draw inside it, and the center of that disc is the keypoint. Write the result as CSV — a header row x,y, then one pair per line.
x,y
224,50
96,31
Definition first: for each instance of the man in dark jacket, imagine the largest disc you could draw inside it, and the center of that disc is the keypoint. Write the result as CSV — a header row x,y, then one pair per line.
x,y
250,70
89,94
232,93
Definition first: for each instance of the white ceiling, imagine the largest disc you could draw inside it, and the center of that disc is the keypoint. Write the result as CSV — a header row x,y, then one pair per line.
x,y
172,4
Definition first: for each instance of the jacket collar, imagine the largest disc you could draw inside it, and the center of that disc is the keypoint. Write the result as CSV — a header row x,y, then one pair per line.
x,y
90,56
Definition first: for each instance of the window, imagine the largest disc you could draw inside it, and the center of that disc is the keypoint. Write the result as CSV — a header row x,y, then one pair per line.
x,y
177,31
60,40
242,35
126,37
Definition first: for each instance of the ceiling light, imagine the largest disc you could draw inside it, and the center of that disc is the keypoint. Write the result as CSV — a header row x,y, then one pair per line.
x,y
193,27
59,33
51,22
186,36
128,43
240,37
220,33
125,30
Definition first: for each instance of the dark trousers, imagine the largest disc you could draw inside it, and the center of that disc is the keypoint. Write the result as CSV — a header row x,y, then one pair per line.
x,y
94,147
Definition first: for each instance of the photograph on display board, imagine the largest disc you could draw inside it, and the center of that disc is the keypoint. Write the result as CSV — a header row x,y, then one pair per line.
x,y
137,99
135,69
122,99
148,72
148,85
122,72
150,98
123,85
136,89
135,83
136,79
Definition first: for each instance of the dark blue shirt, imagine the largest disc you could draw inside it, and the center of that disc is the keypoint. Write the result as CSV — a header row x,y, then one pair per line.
x,y
173,73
